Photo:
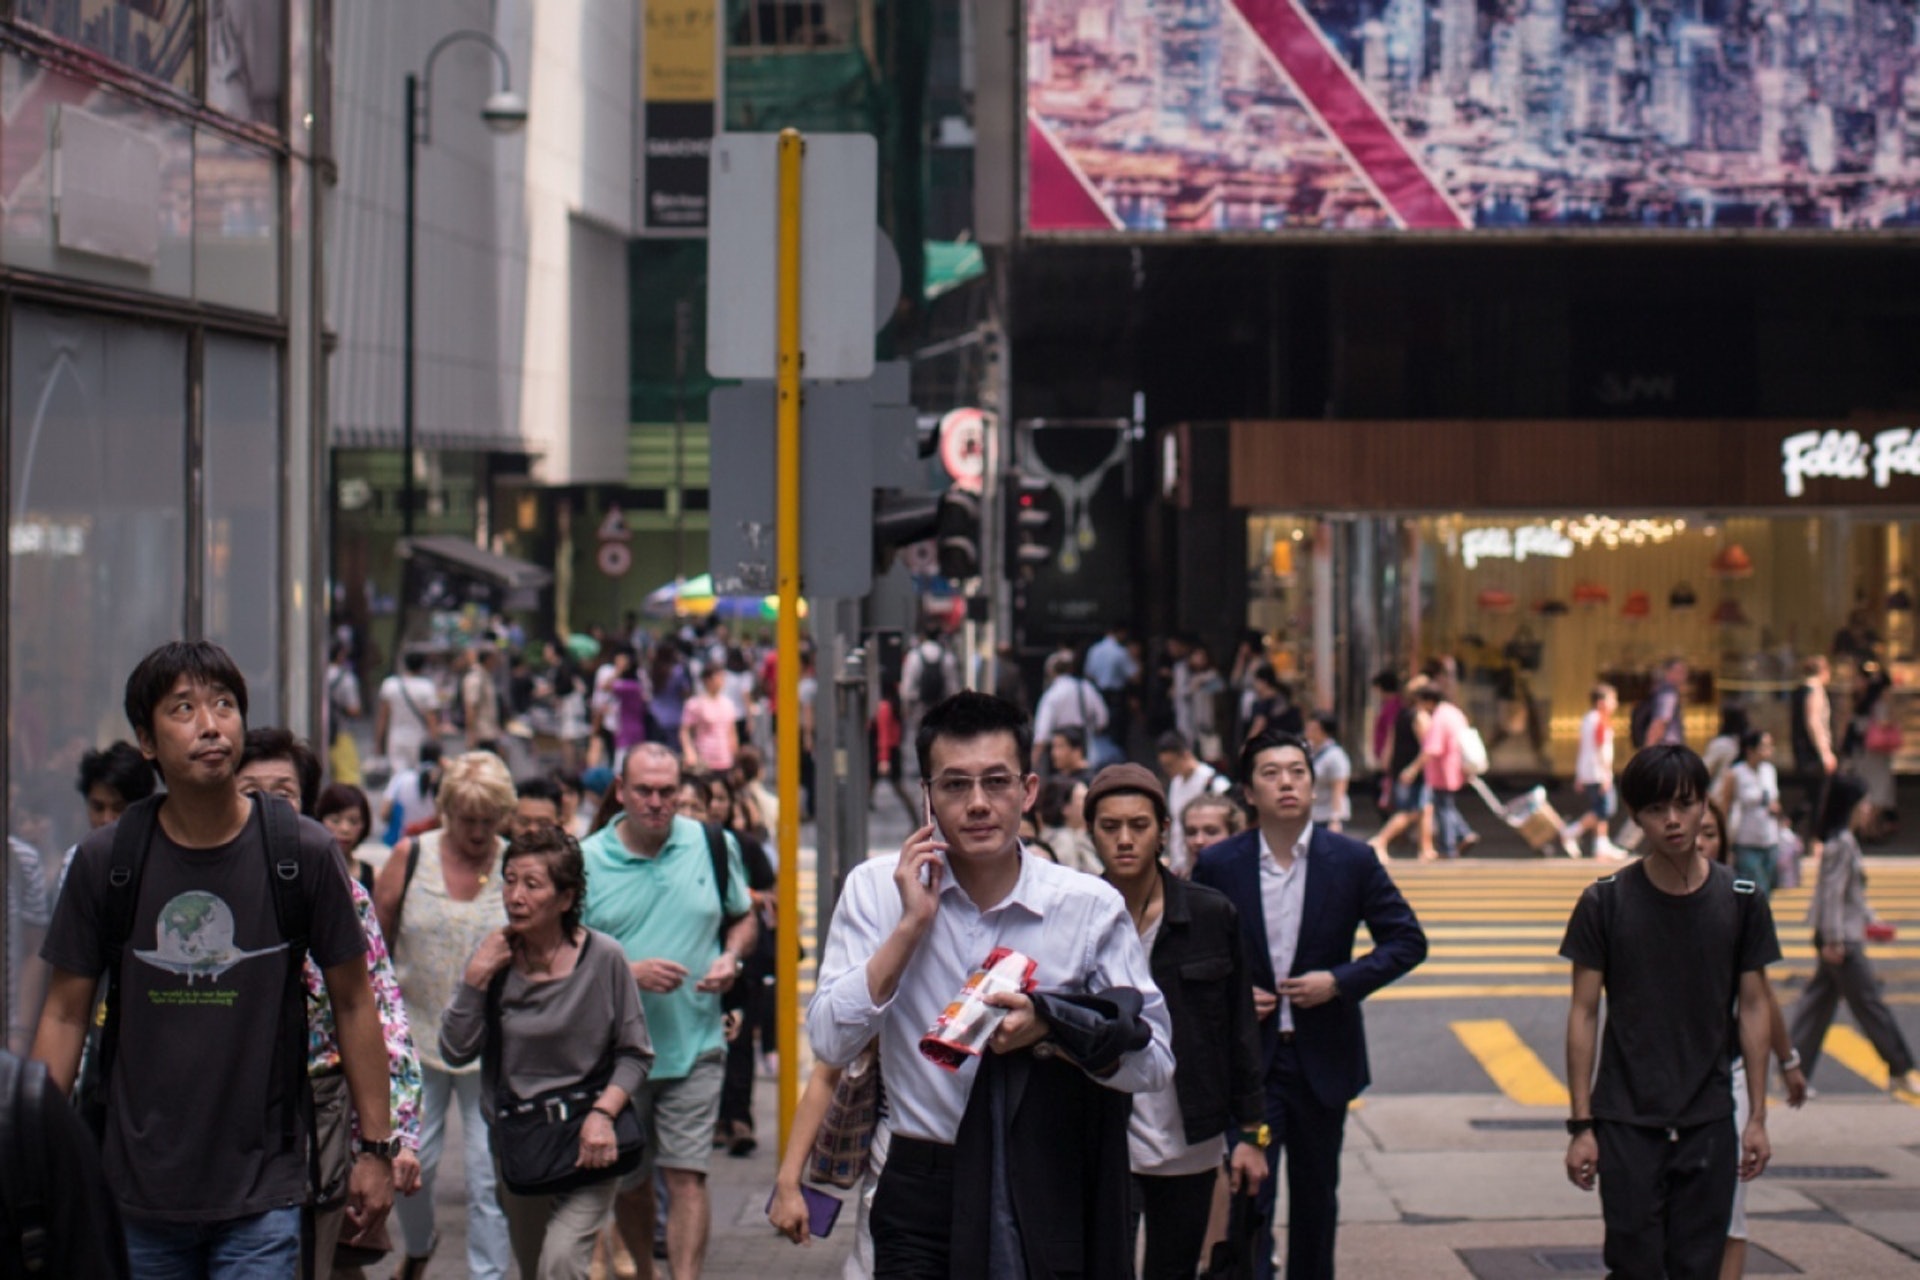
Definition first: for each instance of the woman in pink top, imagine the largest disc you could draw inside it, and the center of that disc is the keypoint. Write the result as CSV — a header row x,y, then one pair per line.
x,y
1443,761
708,738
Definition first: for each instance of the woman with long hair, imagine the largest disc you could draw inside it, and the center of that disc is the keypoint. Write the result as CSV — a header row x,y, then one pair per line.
x,y
1733,1263
1840,916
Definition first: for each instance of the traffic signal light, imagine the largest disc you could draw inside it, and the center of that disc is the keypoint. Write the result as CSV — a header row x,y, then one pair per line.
x,y
1029,525
901,518
957,535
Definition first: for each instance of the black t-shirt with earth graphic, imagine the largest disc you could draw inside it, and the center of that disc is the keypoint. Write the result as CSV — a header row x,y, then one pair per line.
x,y
192,1132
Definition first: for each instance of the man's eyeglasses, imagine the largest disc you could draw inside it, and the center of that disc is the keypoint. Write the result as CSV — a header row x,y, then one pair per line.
x,y
959,786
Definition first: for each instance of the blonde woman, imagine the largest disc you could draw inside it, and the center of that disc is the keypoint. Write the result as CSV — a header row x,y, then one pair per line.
x,y
437,897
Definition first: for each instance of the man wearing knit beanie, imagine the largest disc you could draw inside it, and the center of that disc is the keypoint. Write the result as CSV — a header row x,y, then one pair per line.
x,y
1179,1133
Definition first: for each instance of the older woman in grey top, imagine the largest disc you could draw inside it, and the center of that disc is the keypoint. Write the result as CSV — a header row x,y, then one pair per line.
x,y
568,1008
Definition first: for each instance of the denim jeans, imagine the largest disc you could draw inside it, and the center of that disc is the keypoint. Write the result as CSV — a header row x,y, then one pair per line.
x,y
265,1246
488,1251
1449,828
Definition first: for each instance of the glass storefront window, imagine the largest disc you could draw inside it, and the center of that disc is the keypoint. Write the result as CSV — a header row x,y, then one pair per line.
x,y
157,40
96,543
236,225
242,534
101,186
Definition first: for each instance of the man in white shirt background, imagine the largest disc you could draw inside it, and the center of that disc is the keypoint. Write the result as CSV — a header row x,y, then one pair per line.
x,y
1188,778
910,928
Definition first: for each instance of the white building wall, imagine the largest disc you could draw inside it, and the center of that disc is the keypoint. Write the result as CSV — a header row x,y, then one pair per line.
x,y
497,366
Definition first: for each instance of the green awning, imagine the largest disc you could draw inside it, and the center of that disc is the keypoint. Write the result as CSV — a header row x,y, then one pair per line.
x,y
950,265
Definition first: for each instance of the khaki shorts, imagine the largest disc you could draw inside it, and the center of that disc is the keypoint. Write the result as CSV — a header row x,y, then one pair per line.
x,y
679,1118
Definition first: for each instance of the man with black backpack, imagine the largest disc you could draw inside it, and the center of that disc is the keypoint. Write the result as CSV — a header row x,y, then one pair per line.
x,y
660,884
199,907
928,677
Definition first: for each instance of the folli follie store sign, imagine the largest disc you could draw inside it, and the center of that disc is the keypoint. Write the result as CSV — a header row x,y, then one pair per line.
x,y
1600,465
679,99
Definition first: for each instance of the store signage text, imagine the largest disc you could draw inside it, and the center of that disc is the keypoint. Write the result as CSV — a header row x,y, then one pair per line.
x,y
1529,541
1843,455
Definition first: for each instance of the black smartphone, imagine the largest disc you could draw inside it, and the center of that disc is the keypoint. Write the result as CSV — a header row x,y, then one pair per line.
x,y
823,1210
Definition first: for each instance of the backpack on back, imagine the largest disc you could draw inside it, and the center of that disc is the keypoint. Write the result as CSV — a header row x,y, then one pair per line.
x,y
57,1216
931,687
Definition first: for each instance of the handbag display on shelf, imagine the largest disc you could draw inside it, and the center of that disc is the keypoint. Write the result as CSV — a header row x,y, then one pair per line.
x,y
840,1148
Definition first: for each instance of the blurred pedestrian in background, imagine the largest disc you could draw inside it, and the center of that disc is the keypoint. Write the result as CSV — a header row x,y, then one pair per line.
x,y
1750,796
436,898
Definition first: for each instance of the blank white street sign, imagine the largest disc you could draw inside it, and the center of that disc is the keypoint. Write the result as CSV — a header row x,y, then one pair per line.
x,y
839,201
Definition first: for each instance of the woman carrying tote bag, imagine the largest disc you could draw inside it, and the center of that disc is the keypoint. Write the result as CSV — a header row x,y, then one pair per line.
x,y
551,1010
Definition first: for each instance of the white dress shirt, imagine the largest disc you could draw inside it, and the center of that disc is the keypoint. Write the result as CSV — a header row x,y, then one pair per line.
x,y
1074,925
1157,1143
1283,899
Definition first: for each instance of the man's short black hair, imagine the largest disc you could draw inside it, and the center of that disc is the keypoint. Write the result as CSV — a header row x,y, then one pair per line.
x,y
1172,742
970,714
415,663
201,661
538,787
1074,735
121,769
1661,773
271,742
431,753
1270,740
1329,723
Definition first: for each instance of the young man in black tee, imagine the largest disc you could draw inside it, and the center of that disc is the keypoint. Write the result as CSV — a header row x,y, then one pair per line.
x,y
1677,944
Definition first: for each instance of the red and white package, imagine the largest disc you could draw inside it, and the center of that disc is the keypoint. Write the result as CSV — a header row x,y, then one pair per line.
x,y
964,1026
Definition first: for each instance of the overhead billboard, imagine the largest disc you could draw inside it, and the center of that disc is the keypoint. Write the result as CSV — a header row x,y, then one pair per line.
x,y
1211,117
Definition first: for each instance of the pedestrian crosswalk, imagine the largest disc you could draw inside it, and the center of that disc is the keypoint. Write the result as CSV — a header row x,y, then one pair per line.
x,y
1494,928
1494,933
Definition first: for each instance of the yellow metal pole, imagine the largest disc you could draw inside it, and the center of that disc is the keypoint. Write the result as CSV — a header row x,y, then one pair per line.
x,y
787,629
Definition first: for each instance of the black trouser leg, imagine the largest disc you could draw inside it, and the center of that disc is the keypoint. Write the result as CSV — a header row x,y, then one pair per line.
x,y
912,1216
1666,1196
1311,1134
1175,1211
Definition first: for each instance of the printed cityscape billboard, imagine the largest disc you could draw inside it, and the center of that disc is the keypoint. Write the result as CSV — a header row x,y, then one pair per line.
x,y
1213,117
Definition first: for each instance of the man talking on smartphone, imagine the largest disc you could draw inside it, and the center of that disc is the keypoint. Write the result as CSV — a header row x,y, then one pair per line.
x,y
988,1180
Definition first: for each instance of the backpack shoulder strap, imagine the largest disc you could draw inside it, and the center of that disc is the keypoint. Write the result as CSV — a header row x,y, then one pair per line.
x,y
290,908
132,835
292,915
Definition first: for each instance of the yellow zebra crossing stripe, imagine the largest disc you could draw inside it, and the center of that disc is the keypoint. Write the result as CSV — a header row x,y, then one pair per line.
x,y
1507,1060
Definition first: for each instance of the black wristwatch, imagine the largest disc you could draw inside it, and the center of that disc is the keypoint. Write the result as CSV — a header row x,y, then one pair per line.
x,y
383,1148
1577,1127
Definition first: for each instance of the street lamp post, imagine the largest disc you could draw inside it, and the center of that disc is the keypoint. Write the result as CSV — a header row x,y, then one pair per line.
x,y
505,112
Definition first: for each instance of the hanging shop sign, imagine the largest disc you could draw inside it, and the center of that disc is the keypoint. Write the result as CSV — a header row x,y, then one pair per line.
x,y
1528,542
1846,455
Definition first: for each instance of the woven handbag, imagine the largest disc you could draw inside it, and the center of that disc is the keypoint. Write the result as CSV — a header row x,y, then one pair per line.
x,y
840,1147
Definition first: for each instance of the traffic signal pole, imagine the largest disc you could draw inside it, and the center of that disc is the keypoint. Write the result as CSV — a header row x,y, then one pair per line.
x,y
787,627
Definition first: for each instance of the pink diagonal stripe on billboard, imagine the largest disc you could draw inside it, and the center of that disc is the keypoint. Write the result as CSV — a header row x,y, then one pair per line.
x,y
1058,199
1328,86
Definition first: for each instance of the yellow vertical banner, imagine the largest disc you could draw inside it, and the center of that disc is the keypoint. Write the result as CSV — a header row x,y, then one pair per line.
x,y
679,111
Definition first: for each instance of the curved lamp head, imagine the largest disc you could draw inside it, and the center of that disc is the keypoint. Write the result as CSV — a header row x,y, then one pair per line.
x,y
505,112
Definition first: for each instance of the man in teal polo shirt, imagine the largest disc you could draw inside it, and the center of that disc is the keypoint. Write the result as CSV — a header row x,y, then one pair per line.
x,y
650,884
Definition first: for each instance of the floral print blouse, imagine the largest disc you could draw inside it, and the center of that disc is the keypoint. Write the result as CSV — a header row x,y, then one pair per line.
x,y
323,1041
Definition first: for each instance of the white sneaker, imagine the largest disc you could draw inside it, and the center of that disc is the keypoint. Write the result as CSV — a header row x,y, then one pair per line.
x,y
1607,851
1571,843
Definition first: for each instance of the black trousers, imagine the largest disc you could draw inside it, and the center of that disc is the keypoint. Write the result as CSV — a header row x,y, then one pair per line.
x,y
1311,1134
1175,1209
1667,1196
736,1089
912,1218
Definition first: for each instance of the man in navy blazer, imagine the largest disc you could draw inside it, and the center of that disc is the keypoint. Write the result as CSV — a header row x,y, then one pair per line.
x,y
1302,894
